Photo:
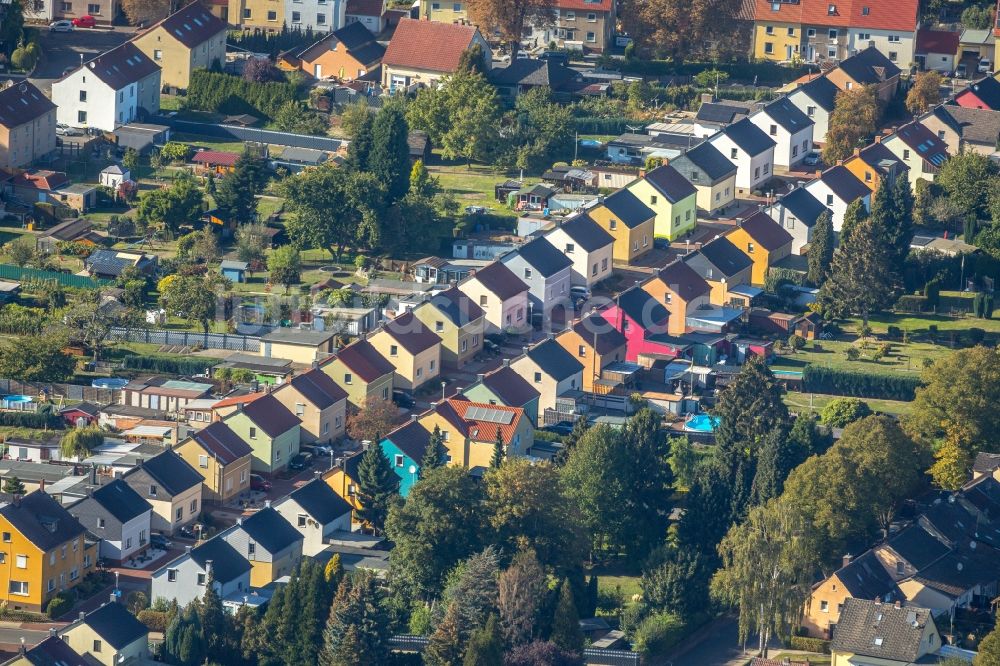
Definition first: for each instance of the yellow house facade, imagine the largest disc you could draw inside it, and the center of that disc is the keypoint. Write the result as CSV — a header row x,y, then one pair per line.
x,y
318,402
222,458
110,635
189,39
777,41
883,634
412,348
443,11
764,241
269,542
45,551
458,321
671,197
362,372
470,439
630,223
297,345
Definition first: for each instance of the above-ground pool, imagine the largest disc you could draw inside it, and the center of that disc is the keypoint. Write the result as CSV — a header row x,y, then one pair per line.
x,y
701,423
17,398
590,143
109,383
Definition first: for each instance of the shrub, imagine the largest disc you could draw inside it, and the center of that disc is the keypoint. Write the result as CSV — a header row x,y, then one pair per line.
x,y
853,354
176,366
658,633
976,335
796,341
58,606
818,379
631,616
808,644
31,420
175,151
155,620
842,411
932,292
894,332
911,303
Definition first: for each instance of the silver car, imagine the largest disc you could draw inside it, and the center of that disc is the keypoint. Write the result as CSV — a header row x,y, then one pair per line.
x,y
61,26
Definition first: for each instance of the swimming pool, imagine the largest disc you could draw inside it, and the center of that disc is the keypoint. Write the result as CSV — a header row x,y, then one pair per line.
x,y
701,423
109,383
17,398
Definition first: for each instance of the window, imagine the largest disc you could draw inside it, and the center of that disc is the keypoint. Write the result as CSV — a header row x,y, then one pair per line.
x,y
734,153
652,200
385,393
51,585
300,409
296,17
432,366
538,378
435,6
19,587
420,372
767,168
243,476
824,606
868,176
179,513
570,247
66,6
475,340
570,16
893,56
694,176
795,151
93,10
906,154
829,200
6,537
864,35
97,646
687,216
756,173
320,19
592,17
773,130
21,561
348,378
399,461
613,225
272,16
832,9
247,14
194,506
769,30
152,490
438,326
832,53
253,433
768,48
677,220
251,548
527,273
128,543
749,248
465,346
83,95
593,270
81,116
833,33
457,7
201,579
100,523
202,461
581,351
591,37
900,568
811,32
52,557
894,39
791,32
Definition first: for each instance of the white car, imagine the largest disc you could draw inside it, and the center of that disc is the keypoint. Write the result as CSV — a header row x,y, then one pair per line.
x,y
985,66
61,26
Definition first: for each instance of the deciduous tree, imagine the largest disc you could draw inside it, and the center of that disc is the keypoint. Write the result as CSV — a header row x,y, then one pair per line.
x,y
284,266
373,421
445,646
38,358
680,29
853,121
169,208
967,179
989,650
509,18
925,92
522,591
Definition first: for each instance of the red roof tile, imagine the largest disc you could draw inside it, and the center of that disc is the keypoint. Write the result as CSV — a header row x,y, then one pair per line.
x,y
428,45
42,179
484,430
937,41
215,157
585,5
242,399
875,14
788,12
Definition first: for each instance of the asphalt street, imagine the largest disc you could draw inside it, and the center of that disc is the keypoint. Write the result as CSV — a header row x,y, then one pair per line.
x,y
63,50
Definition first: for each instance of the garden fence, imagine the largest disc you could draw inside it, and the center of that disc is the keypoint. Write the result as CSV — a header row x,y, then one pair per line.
x,y
11,272
156,336
74,392
410,643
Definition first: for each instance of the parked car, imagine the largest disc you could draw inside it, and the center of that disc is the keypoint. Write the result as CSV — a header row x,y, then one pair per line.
x,y
86,21
300,461
61,26
985,66
257,482
812,159
402,399
66,130
322,450
187,531
961,72
160,541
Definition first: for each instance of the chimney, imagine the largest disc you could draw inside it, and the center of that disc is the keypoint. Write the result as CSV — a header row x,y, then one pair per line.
x,y
848,559
480,377
840,162
897,603
506,363
739,222
317,474
267,504
22,649
413,418
138,462
81,615
857,151
819,173
112,597
707,98
187,549
53,632
878,138
525,349
239,521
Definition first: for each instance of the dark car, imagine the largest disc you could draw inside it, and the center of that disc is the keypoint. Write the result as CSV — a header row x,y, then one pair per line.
x,y
561,428
300,461
257,482
402,399
160,541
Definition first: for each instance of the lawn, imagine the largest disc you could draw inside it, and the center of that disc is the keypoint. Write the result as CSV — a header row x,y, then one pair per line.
x,y
953,307
906,358
209,142
623,586
795,656
472,186
815,402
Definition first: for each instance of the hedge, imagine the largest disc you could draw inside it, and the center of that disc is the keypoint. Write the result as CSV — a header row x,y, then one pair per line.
x,y
154,620
58,606
174,366
224,93
658,634
808,644
819,379
31,420
765,72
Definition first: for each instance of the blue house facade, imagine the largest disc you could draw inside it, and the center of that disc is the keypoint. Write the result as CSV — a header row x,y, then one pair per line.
x,y
405,447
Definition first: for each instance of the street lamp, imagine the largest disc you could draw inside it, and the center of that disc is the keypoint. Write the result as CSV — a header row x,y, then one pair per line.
x,y
443,384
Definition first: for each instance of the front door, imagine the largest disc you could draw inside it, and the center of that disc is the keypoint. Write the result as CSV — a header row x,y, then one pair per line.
x,y
318,71
788,52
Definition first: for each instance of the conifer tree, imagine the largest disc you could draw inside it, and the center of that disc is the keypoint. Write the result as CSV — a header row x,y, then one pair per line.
x,y
361,144
566,622
853,215
434,455
214,621
13,486
485,646
444,647
389,159
820,249
580,426
903,200
593,589
358,629
378,487
498,450
863,274
236,195
333,572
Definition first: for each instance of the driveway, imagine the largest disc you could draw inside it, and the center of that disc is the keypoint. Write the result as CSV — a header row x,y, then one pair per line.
x,y
62,50
715,645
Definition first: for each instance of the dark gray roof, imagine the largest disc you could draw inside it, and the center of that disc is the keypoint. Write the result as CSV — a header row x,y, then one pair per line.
x,y
320,501
318,388
879,157
628,208
986,463
961,570
642,308
192,25
512,389
789,116
356,39
219,440
500,280
121,501
270,415
42,520
866,578
270,530
987,90
720,255
869,66
750,138
669,182
54,651
586,233
765,231
872,629
121,66
412,439
456,306
720,112
979,126
227,563
804,206
597,332
821,90
106,262
707,157
115,625
844,183
22,103
544,257
553,360
172,472
683,280
532,72
917,546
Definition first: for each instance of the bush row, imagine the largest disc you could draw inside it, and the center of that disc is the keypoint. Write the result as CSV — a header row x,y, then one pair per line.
x,y
30,420
808,644
154,620
818,379
174,366
223,93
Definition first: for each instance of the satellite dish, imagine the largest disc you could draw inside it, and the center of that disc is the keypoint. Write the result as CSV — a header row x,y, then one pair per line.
x,y
413,469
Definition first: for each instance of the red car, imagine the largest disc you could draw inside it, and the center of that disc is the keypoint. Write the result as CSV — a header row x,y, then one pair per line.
x,y
87,21
257,482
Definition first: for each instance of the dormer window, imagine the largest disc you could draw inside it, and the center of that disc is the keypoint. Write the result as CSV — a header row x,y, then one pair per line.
x,y
831,10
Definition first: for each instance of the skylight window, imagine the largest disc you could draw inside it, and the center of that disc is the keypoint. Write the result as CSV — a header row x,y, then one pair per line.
x,y
878,641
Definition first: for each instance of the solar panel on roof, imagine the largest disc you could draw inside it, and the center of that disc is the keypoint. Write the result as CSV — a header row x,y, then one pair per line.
x,y
489,415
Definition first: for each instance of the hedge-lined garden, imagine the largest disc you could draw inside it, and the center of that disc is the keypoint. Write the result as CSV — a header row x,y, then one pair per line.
x,y
819,379
175,366
224,93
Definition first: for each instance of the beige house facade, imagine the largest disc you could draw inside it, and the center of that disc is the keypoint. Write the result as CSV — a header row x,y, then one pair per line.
x,y
27,125
189,39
